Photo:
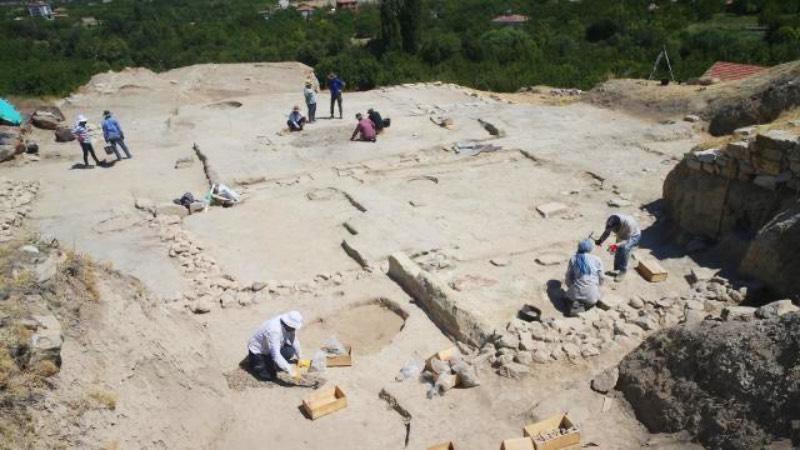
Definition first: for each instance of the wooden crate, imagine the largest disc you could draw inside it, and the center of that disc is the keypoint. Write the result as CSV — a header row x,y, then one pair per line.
x,y
523,443
345,360
324,402
443,446
651,270
444,355
553,423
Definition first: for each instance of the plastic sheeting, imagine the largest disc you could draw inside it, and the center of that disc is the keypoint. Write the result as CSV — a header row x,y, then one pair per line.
x,y
8,113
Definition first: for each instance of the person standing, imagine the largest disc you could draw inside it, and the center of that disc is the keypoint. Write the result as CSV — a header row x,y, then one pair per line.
x,y
311,101
365,130
81,133
583,279
336,85
113,135
274,344
628,234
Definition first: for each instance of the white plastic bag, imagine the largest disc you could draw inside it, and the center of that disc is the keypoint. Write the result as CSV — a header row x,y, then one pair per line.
x,y
319,362
333,347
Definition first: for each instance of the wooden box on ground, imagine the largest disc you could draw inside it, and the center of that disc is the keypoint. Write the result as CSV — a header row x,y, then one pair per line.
x,y
443,446
444,355
553,424
324,402
651,270
523,443
345,360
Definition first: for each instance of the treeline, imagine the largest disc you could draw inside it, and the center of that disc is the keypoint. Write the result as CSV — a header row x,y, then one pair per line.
x,y
565,43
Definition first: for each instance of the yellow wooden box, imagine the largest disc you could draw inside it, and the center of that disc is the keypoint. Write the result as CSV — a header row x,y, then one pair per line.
x,y
553,423
651,270
443,446
324,402
341,360
523,443
444,355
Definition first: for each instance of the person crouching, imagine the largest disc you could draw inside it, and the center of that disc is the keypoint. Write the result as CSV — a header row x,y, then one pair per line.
x,y
365,129
583,279
274,345
296,120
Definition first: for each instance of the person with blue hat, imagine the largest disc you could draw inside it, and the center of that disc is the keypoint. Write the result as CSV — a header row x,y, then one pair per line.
x,y
583,279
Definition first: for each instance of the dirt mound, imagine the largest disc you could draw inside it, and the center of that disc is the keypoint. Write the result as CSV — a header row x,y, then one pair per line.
x,y
761,99
757,99
732,385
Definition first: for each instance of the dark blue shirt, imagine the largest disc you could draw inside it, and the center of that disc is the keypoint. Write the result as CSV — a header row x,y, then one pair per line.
x,y
336,85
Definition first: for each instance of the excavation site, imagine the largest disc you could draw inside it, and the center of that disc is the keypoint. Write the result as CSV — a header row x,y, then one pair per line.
x,y
424,279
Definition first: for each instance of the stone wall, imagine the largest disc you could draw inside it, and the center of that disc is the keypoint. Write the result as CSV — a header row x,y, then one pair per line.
x,y
749,187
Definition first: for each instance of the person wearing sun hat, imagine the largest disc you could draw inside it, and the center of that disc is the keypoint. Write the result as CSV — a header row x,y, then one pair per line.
x,y
274,344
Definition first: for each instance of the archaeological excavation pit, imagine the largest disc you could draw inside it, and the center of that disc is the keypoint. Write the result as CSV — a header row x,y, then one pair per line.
x,y
367,327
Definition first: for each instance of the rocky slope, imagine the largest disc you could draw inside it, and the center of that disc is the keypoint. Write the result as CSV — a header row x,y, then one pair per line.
x,y
732,385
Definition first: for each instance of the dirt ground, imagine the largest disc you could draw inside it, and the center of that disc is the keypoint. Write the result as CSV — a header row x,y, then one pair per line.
x,y
454,199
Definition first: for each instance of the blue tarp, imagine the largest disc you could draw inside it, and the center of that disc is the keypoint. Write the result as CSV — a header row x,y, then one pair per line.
x,y
8,113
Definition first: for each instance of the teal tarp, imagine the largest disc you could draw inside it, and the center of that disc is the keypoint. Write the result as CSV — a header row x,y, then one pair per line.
x,y
8,113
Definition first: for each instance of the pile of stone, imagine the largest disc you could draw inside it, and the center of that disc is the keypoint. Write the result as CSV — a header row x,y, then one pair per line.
x,y
210,287
770,159
562,92
526,343
552,434
15,204
12,141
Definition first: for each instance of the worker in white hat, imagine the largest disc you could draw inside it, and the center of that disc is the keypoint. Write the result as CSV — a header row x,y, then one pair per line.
x,y
83,135
274,345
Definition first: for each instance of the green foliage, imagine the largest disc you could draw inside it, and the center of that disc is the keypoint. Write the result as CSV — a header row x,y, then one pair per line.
x,y
564,43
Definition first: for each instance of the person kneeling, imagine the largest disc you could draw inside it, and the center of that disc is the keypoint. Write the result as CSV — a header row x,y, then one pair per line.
x,y
296,120
274,345
365,130
583,279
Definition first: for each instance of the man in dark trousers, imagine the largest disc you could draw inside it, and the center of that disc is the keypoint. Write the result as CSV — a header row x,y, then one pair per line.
x,y
336,86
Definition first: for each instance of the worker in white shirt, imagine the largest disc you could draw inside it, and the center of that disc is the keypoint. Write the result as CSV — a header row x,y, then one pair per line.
x,y
274,345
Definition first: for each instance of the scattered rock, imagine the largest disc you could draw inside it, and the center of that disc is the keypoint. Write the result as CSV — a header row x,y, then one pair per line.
x,y
513,370
258,286
550,259
525,358
46,341
738,312
776,309
29,249
606,381
636,303
692,118
500,262
184,163
552,209
201,306
619,203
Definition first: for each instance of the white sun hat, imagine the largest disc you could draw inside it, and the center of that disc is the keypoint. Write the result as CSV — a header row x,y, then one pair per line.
x,y
293,319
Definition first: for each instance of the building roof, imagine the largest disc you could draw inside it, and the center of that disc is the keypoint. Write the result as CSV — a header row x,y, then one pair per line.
x,y
510,18
727,71
305,7
346,2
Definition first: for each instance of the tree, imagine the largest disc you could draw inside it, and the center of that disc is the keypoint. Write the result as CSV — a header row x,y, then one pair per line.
x,y
391,36
410,21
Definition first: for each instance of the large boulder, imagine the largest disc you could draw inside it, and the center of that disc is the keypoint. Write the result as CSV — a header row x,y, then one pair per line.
x,y
64,134
774,255
45,120
731,385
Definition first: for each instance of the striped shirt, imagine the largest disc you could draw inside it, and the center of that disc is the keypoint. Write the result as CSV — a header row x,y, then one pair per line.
x,y
81,132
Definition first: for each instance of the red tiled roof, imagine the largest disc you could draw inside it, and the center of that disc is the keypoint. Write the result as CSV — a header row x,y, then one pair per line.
x,y
726,71
510,18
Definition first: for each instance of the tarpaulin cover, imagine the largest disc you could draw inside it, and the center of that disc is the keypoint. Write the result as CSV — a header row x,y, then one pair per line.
x,y
8,113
